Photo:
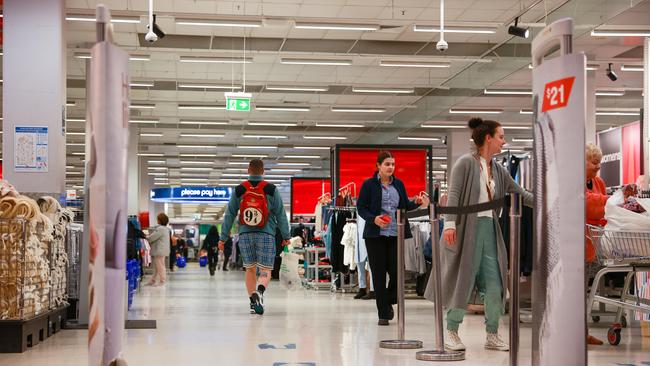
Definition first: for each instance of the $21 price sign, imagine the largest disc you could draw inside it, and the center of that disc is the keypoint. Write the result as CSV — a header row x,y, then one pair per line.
x,y
557,93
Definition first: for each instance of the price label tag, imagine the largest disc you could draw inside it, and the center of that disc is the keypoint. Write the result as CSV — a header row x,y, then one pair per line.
x,y
557,93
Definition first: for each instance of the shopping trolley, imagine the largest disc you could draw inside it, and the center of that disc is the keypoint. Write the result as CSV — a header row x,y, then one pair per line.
x,y
621,252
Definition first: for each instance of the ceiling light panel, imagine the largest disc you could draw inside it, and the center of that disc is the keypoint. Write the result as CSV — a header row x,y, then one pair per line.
x,y
218,60
202,135
325,137
278,124
424,64
141,84
312,147
418,138
220,23
256,147
208,86
441,125
198,155
197,122
620,32
383,90
301,156
637,68
454,29
283,108
200,107
260,156
475,111
507,91
357,110
320,62
337,26
297,88
335,125
249,136
142,106
143,121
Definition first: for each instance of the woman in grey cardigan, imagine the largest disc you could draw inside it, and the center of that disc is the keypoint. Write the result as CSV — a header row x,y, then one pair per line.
x,y
474,252
159,238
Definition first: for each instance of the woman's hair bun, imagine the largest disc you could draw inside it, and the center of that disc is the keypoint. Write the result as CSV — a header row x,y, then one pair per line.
x,y
475,122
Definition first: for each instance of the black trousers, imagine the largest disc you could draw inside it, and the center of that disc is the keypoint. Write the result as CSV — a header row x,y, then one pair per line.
x,y
172,257
227,252
382,256
213,258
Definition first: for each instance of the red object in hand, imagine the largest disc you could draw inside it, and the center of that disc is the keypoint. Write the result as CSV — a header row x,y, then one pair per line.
x,y
386,218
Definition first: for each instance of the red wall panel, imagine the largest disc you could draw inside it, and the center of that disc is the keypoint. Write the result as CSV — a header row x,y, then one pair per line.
x,y
631,150
357,165
305,193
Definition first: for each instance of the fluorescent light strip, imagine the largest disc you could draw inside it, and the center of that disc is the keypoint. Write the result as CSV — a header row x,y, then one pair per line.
x,y
521,140
156,174
508,91
142,106
196,146
90,18
284,170
75,133
384,90
238,163
476,111
285,109
415,64
256,147
196,169
264,136
151,154
75,144
70,104
249,156
439,158
211,123
637,68
201,107
157,168
292,164
620,33
322,62
525,111
144,121
297,88
151,135
312,147
141,84
339,125
617,113
506,127
236,169
195,162
429,125
75,120
325,137
220,23
301,156
201,135
357,110
219,60
208,86
87,56
278,124
454,29
338,26
610,93
418,138
198,155
156,161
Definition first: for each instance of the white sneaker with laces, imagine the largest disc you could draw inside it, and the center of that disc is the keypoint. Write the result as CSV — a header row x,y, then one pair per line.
x,y
494,342
453,342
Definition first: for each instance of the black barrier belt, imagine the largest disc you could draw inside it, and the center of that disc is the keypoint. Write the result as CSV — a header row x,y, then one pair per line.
x,y
480,207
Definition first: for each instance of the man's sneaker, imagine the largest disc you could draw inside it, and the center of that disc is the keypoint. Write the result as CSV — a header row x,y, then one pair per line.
x,y
453,342
493,341
258,303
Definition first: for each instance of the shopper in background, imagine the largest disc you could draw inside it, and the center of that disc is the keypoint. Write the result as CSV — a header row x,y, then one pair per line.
x,y
261,211
227,252
379,199
159,239
173,239
210,245
474,251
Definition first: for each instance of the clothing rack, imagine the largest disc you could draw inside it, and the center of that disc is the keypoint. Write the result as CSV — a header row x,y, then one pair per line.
x,y
342,208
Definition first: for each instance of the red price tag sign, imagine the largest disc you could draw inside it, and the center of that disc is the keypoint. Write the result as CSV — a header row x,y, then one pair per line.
x,y
556,93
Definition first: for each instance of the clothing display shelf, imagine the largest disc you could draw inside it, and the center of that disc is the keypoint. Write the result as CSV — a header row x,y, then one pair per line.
x,y
73,245
313,268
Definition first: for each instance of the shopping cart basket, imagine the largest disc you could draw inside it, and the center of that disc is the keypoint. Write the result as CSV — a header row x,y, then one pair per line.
x,y
623,252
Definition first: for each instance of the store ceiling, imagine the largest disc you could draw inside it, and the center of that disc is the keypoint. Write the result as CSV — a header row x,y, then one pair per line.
x,y
171,90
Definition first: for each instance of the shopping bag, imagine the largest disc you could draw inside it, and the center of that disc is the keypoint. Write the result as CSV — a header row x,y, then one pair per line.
x,y
289,277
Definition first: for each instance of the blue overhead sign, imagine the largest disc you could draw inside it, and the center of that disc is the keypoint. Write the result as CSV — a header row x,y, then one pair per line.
x,y
191,194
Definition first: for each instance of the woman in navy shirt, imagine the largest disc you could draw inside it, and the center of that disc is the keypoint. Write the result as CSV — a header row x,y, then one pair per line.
x,y
379,199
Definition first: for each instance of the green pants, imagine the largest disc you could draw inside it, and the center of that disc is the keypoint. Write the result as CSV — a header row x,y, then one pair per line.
x,y
486,275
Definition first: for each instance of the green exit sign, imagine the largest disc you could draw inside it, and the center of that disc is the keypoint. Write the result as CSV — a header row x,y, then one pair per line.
x,y
240,102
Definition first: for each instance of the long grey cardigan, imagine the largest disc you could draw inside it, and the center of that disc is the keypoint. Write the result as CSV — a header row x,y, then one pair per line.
x,y
456,260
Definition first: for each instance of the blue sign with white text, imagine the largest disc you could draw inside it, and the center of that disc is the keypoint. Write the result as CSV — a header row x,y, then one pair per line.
x,y
191,194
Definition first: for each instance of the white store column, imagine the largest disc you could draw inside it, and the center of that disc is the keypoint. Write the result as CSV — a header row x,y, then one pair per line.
x,y
458,144
590,121
645,168
133,161
34,96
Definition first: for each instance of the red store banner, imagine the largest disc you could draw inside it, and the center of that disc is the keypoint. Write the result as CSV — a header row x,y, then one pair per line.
x,y
357,165
305,193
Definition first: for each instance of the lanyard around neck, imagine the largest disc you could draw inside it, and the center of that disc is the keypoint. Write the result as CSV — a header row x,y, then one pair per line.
x,y
487,177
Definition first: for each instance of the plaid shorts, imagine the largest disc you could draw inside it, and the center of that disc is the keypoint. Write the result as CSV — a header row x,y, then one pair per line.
x,y
257,249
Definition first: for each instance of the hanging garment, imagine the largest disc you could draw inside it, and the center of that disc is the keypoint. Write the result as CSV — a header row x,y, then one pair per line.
x,y
360,252
327,239
349,242
339,219
318,213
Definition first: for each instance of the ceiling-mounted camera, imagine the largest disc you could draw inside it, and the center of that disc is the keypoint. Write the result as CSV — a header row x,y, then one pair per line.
x,y
442,45
611,74
155,33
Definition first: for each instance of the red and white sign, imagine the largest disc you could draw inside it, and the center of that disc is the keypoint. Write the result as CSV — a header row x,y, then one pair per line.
x,y
557,93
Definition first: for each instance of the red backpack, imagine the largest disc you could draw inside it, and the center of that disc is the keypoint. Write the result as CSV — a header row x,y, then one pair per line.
x,y
254,208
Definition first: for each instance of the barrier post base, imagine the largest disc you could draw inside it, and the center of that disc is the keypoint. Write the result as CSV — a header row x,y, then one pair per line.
x,y
400,344
440,355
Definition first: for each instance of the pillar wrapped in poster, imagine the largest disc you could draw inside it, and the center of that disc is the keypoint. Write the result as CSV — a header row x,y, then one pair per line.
x,y
107,117
559,105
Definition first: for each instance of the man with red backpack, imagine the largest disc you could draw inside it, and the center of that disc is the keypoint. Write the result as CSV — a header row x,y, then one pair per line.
x,y
261,211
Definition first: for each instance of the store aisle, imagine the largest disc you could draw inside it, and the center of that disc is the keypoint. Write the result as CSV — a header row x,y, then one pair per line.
x,y
205,321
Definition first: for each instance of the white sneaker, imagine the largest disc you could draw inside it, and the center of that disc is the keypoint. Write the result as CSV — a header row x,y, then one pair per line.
x,y
494,342
453,342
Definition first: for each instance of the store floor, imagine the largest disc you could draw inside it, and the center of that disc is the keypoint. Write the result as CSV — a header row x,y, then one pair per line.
x,y
205,321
